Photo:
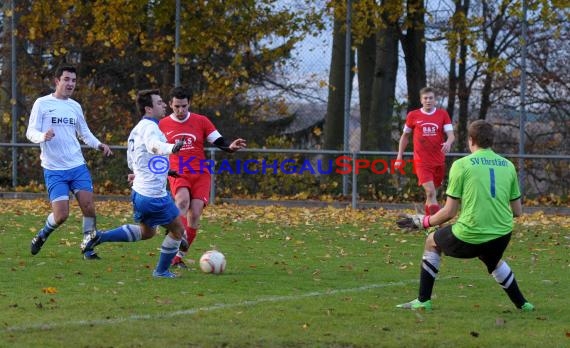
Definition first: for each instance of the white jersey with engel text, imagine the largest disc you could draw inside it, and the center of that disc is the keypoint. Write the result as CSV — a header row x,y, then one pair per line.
x,y
66,118
146,157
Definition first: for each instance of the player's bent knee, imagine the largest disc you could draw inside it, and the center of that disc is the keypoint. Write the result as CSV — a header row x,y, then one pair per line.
x,y
60,216
430,242
176,234
147,232
60,219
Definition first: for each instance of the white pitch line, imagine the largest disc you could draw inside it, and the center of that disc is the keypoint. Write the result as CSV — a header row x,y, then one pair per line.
x,y
247,303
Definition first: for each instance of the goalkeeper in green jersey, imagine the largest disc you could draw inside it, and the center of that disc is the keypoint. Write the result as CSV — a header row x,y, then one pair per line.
x,y
486,185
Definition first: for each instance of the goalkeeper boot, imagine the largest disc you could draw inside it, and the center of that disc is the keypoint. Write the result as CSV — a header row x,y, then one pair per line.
x,y
416,305
527,307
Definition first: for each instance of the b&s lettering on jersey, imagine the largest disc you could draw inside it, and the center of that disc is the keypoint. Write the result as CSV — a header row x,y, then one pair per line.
x,y
63,120
429,129
189,140
189,143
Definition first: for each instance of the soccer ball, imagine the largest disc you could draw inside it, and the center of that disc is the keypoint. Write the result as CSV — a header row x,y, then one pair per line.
x,y
213,261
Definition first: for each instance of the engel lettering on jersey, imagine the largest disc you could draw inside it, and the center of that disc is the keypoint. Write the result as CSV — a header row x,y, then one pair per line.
x,y
429,129
55,120
489,162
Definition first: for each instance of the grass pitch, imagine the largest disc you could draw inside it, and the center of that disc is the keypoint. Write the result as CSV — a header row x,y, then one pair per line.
x,y
296,277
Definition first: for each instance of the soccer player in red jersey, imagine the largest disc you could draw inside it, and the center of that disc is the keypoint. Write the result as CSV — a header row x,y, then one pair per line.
x,y
190,183
430,127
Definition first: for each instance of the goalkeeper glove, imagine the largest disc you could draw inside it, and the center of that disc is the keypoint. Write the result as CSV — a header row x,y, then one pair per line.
x,y
414,221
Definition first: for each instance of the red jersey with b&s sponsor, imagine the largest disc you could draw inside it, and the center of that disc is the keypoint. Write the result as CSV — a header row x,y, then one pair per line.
x,y
196,130
429,134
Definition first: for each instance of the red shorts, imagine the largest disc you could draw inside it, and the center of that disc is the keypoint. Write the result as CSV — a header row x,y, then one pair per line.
x,y
430,173
197,184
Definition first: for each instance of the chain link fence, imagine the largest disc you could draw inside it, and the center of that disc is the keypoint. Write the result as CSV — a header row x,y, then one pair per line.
x,y
292,174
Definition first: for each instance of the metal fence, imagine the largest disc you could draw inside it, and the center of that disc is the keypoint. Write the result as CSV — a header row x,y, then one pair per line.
x,y
279,174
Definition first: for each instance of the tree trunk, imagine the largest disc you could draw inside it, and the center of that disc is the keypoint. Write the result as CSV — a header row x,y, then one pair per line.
x,y
486,95
463,96
452,87
334,121
492,54
414,47
366,63
463,91
378,131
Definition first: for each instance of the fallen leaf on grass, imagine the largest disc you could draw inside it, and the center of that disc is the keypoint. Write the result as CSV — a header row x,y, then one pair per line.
x,y
49,290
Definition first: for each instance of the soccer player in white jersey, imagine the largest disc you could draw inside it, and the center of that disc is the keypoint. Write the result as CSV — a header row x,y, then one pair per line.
x,y
55,123
153,206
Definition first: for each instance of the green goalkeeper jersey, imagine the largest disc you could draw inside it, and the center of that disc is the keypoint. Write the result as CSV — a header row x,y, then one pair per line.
x,y
486,183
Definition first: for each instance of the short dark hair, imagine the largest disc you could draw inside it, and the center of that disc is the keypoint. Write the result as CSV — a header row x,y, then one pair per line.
x,y
426,90
180,93
69,68
144,99
481,133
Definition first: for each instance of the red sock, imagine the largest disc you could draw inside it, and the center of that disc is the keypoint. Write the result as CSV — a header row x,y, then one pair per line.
x,y
190,232
176,260
433,208
184,221
426,209
190,235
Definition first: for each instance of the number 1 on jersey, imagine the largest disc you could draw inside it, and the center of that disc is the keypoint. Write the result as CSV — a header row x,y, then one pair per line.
x,y
492,177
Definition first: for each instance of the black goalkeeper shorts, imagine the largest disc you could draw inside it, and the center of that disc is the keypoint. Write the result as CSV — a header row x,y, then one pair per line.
x,y
489,252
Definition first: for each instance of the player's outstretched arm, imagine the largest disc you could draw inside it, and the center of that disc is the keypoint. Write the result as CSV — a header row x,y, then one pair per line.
x,y
236,145
420,221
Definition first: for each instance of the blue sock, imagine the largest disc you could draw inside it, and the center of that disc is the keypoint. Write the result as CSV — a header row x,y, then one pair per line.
x,y
48,228
125,233
168,250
